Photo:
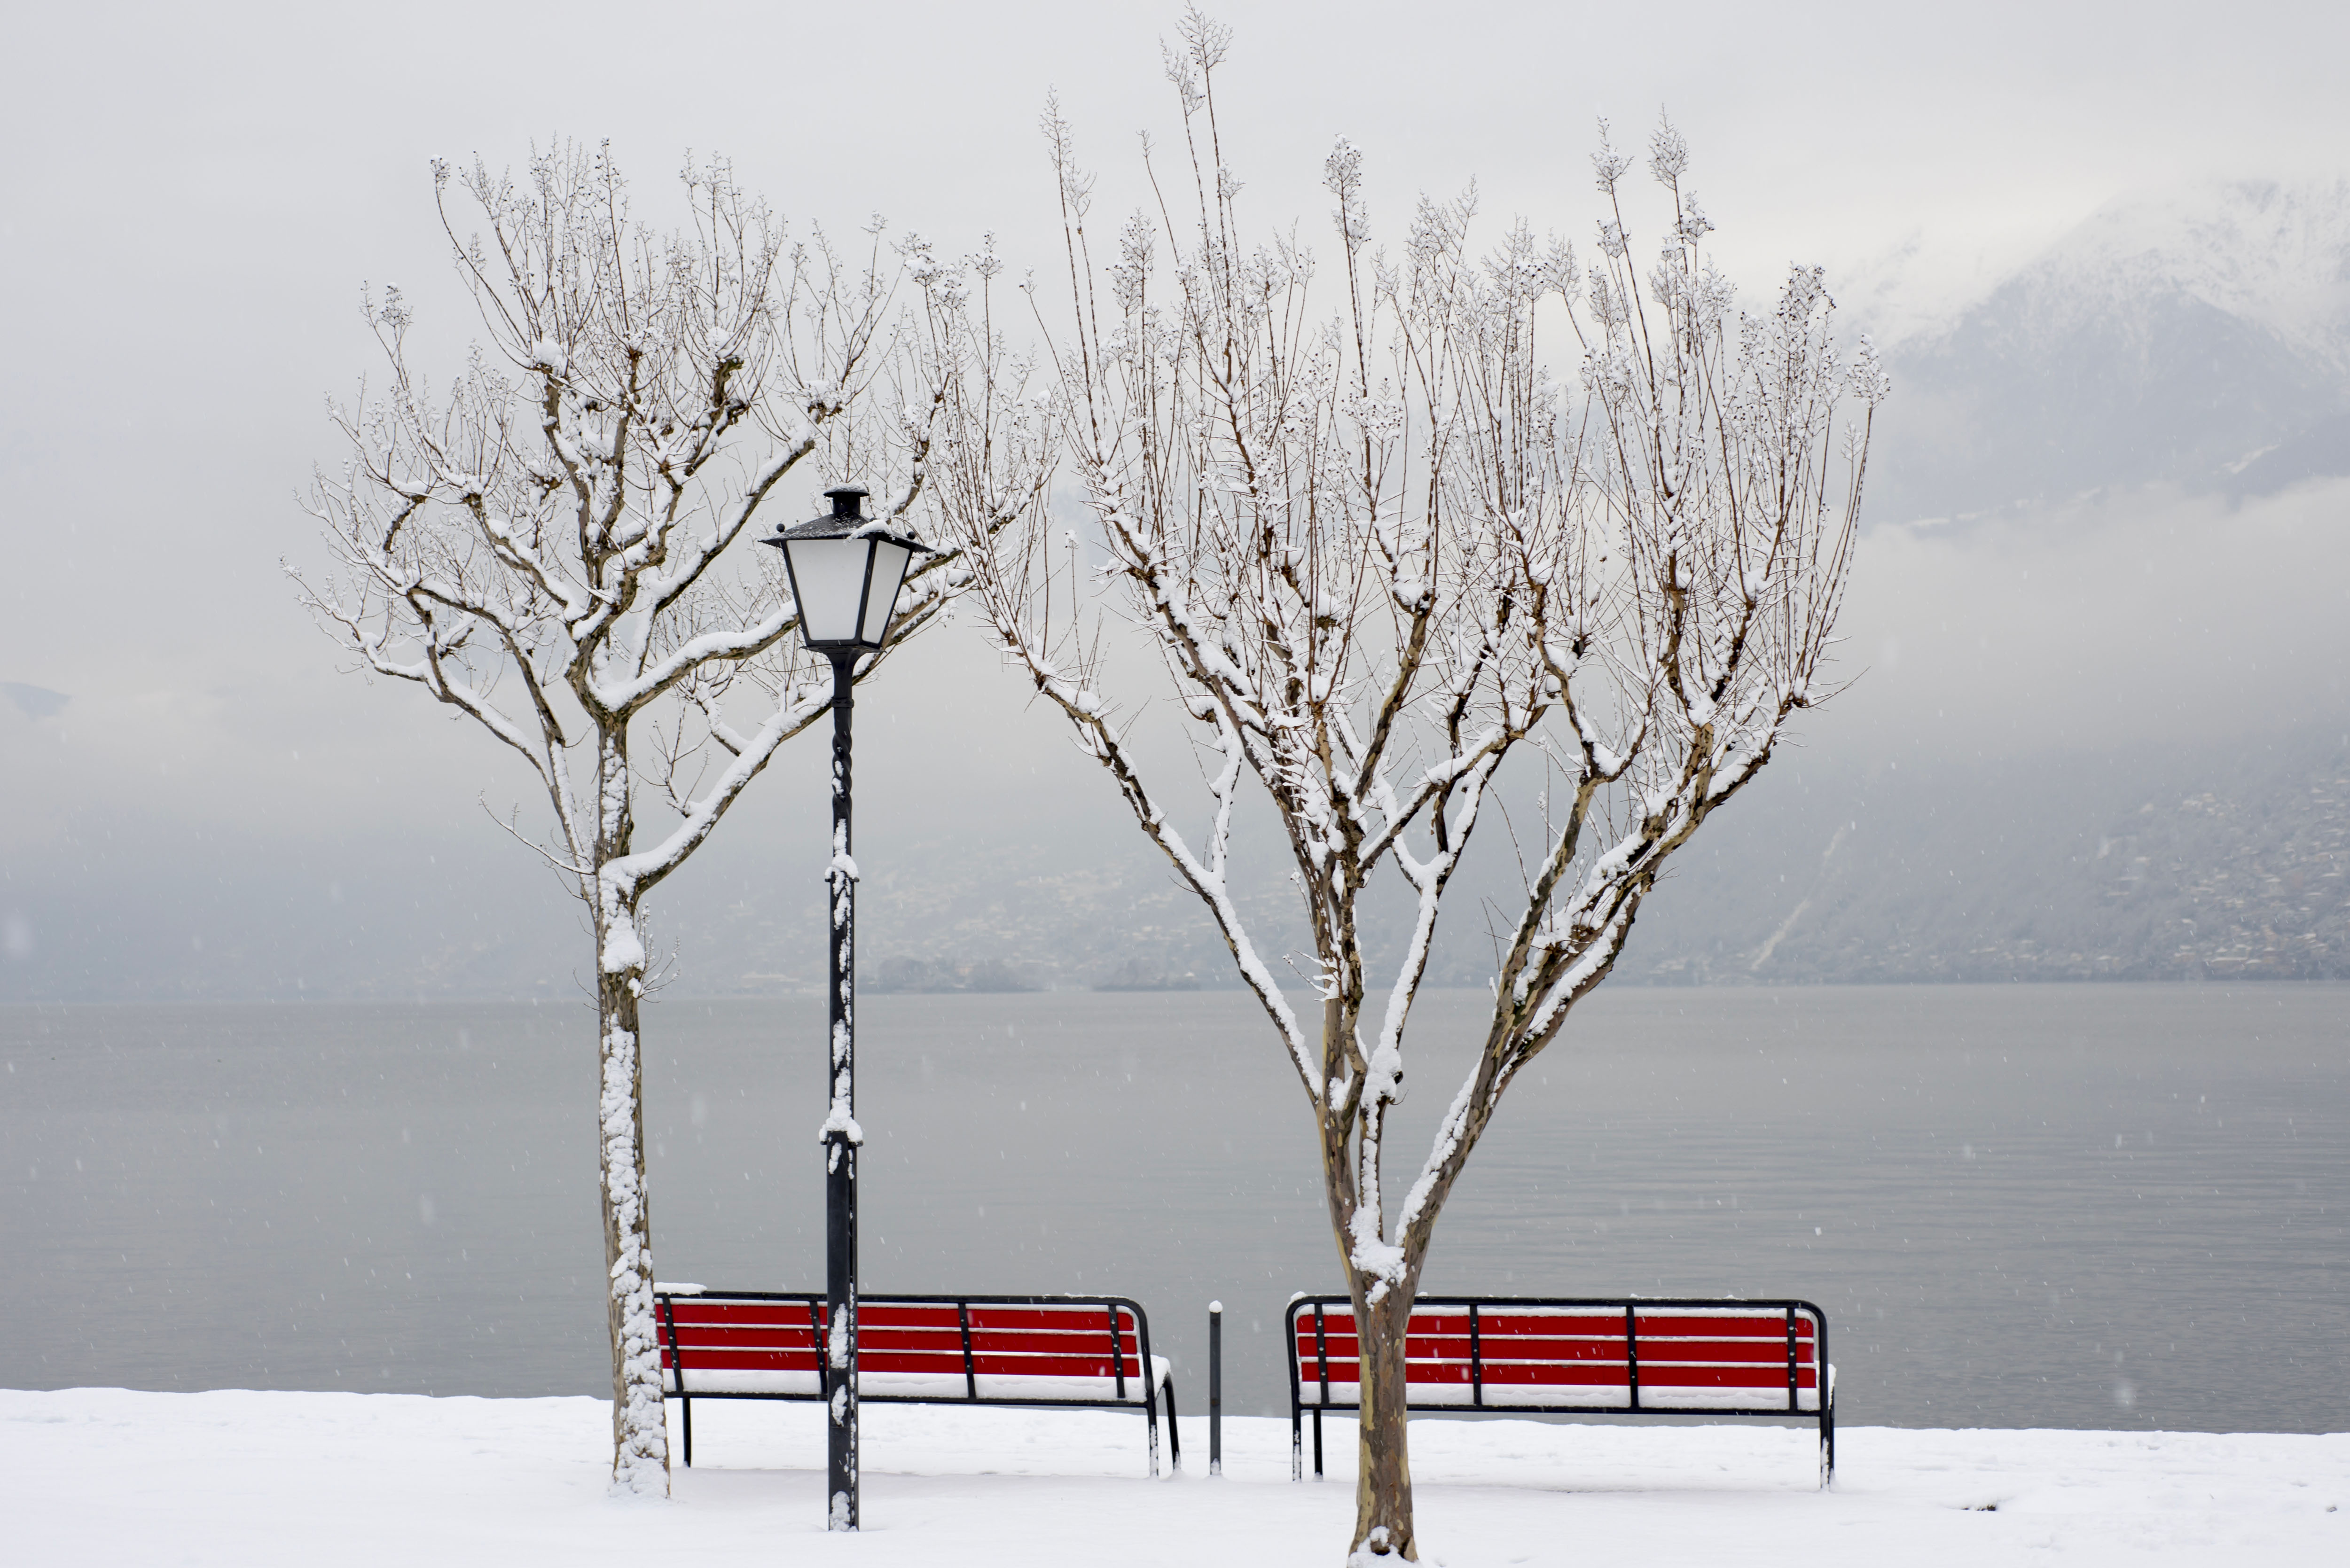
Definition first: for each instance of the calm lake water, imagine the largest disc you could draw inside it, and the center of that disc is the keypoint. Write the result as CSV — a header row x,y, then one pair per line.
x,y
2083,1206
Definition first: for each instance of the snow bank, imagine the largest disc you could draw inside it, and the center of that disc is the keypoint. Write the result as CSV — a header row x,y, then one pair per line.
x,y
259,1479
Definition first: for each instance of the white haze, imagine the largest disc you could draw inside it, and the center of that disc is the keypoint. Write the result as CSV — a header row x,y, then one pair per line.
x,y
2146,616
195,196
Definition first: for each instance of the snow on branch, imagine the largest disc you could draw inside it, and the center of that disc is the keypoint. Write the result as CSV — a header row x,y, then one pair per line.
x,y
1381,543
558,543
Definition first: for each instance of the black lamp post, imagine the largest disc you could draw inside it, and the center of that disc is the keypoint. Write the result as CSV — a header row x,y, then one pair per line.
x,y
846,570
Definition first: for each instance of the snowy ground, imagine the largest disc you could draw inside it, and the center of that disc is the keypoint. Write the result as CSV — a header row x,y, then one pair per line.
x,y
107,1476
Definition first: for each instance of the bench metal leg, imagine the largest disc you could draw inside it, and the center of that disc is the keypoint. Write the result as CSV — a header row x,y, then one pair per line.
x,y
1827,1440
685,1407
1317,1442
1174,1432
1296,1441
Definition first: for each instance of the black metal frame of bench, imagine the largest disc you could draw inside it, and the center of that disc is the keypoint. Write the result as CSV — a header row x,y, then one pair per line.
x,y
815,1302
1629,1305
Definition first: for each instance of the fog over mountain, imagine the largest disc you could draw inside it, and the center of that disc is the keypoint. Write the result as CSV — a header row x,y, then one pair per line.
x,y
2097,704
2199,337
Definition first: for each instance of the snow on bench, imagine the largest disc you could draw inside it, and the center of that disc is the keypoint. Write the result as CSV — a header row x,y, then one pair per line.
x,y
1578,1356
1091,1351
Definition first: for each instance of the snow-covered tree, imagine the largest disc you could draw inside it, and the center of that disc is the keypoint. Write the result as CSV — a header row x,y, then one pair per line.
x,y
561,546
1389,559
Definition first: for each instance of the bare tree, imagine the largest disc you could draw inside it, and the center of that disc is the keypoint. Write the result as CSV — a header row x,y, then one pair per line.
x,y
1381,553
550,547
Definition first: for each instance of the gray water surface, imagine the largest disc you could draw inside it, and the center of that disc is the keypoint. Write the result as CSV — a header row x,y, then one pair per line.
x,y
2083,1206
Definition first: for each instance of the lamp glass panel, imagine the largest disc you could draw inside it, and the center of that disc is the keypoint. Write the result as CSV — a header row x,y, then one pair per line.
x,y
828,579
889,572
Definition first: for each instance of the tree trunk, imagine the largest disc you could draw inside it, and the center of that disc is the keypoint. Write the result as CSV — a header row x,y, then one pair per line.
x,y
1383,1479
639,1440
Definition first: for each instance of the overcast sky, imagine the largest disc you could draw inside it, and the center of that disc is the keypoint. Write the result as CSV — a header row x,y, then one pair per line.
x,y
194,196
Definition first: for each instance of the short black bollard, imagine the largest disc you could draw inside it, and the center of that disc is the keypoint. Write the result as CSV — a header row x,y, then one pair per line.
x,y
1215,1388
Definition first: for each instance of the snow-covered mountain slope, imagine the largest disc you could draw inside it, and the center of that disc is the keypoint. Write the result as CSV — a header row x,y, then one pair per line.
x,y
2174,337
2277,256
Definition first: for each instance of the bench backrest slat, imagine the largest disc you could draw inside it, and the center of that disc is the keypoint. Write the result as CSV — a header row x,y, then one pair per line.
x,y
1036,1343
1630,1355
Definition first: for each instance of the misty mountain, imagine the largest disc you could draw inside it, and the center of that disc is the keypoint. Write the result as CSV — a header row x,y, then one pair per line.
x,y
2164,861
2153,863
2199,338
2158,862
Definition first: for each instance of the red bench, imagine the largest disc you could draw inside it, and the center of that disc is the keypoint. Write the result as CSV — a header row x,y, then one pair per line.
x,y
962,1350
1624,1357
